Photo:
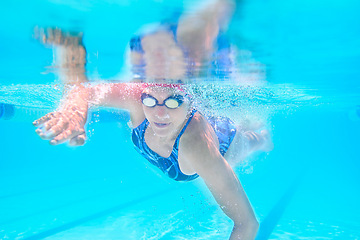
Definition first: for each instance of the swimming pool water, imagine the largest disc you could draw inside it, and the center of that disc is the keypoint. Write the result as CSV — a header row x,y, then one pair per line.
x,y
307,56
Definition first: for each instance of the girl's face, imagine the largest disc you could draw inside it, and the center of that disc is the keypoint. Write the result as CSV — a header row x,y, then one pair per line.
x,y
165,121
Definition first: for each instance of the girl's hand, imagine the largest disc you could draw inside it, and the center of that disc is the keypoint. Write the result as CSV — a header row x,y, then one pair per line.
x,y
62,126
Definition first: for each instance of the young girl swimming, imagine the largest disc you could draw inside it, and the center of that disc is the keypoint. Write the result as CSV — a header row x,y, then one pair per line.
x,y
167,128
172,135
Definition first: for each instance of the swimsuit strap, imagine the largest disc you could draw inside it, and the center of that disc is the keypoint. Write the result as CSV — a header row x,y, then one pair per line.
x,y
187,123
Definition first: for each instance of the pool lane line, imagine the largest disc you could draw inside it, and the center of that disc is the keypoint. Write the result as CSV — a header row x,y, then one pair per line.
x,y
57,207
46,188
269,223
60,185
97,215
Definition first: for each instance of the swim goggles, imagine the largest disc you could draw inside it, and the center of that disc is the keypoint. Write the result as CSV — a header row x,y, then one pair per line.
x,y
171,102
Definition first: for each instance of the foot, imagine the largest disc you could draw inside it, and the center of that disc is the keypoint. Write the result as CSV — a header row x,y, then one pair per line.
x,y
260,142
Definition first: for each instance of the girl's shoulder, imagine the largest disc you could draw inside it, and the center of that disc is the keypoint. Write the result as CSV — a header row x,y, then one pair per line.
x,y
199,143
198,129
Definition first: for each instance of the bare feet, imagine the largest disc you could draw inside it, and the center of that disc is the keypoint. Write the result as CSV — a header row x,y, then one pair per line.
x,y
260,142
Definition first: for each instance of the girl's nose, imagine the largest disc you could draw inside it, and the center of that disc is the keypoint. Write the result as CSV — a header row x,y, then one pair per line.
x,y
161,112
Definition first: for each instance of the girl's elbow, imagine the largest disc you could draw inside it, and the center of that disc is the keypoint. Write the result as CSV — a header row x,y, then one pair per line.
x,y
251,226
255,225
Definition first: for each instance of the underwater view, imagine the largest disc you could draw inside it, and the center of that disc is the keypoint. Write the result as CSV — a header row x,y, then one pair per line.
x,y
179,119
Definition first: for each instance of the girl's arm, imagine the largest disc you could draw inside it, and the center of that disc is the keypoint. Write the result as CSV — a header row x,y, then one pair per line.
x,y
67,123
197,31
69,53
200,150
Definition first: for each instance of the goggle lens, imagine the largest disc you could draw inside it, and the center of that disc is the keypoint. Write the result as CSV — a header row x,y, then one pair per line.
x,y
171,102
149,102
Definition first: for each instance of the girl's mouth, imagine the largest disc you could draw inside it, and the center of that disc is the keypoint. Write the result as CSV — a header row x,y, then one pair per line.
x,y
161,125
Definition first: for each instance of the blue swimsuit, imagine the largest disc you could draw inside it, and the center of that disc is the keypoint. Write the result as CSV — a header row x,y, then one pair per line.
x,y
223,127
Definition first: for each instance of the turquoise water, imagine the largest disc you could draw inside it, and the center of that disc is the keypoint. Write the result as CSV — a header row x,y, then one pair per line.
x,y
305,56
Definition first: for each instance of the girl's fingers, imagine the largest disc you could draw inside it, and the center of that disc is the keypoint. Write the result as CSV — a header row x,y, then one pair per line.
x,y
52,127
50,123
45,118
62,137
60,128
78,140
67,135
57,129
41,120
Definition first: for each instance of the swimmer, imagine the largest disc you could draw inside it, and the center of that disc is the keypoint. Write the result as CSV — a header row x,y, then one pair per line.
x,y
172,135
168,130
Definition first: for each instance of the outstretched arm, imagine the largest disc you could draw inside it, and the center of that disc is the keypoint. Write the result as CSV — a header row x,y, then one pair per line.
x,y
67,123
201,152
